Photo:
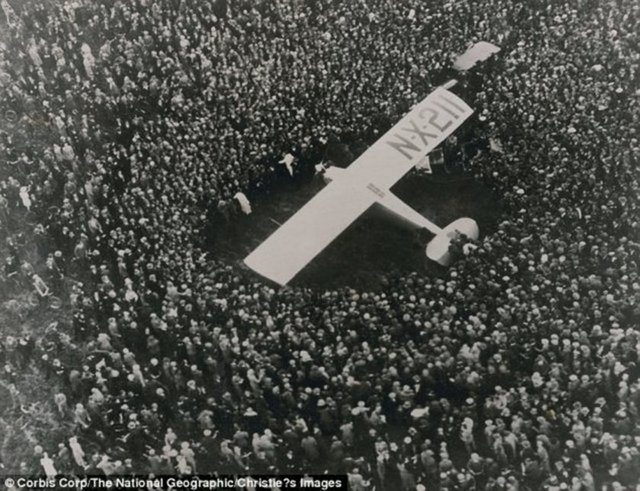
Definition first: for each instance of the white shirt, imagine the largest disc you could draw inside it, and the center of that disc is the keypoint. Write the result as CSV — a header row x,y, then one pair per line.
x,y
245,204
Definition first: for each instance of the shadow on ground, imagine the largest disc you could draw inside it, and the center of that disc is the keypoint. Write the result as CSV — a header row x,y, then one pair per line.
x,y
374,246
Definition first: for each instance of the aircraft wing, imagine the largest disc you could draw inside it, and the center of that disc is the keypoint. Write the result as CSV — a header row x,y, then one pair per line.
x,y
427,125
332,210
310,230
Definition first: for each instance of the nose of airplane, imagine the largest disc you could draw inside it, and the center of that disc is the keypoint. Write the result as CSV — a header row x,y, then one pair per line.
x,y
438,247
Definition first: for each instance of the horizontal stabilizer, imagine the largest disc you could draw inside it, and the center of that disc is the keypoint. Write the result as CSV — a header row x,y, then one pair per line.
x,y
438,248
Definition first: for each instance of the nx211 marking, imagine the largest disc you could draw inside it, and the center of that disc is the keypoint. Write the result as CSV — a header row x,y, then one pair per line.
x,y
417,128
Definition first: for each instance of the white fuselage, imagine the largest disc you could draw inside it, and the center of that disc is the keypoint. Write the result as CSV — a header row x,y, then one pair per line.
x,y
389,202
438,248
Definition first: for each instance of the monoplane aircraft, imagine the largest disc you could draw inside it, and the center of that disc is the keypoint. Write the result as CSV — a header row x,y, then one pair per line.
x,y
364,183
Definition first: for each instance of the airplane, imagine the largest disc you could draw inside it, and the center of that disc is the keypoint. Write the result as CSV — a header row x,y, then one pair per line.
x,y
366,182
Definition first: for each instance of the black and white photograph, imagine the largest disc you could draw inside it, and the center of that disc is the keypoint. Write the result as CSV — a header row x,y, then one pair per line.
x,y
366,245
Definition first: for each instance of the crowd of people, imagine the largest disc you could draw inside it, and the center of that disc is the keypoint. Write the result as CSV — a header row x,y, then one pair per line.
x,y
517,369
